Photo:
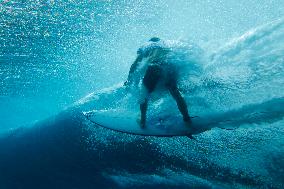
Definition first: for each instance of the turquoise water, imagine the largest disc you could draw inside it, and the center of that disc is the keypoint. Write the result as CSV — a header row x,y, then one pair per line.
x,y
55,52
58,57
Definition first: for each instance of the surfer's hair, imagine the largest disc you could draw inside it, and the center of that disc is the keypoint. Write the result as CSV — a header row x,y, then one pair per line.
x,y
155,39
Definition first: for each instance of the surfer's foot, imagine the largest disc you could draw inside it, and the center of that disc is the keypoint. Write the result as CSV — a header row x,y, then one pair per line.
x,y
141,122
187,121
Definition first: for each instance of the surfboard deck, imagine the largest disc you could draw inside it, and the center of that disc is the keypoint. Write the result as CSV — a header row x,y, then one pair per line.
x,y
167,125
128,122
173,125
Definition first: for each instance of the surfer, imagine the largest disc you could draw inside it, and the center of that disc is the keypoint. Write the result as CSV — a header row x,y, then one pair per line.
x,y
151,64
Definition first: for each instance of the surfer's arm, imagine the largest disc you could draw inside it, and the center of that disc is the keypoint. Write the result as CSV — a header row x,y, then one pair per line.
x,y
133,68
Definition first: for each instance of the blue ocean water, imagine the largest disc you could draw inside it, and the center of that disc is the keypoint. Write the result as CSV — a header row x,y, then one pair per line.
x,y
55,54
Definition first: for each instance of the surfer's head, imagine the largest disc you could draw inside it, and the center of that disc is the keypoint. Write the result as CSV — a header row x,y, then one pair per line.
x,y
155,39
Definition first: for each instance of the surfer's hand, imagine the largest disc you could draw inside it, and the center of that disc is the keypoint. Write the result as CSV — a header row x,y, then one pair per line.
x,y
126,83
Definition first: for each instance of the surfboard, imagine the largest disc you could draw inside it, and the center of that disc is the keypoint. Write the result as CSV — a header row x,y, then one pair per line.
x,y
173,125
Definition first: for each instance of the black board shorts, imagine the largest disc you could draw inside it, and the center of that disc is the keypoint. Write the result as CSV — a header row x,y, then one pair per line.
x,y
153,75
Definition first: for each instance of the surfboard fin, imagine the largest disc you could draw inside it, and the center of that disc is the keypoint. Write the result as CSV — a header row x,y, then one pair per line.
x,y
191,137
229,129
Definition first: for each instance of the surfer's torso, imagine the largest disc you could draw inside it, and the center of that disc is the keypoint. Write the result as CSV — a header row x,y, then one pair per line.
x,y
155,54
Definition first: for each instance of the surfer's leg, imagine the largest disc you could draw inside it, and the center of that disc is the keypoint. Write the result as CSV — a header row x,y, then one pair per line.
x,y
180,102
143,110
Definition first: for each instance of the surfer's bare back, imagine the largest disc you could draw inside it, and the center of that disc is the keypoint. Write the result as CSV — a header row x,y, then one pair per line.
x,y
151,63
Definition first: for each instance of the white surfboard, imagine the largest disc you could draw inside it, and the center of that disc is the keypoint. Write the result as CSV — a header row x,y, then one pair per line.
x,y
172,125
